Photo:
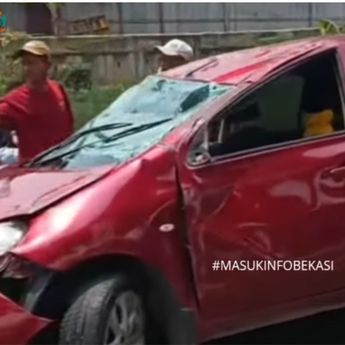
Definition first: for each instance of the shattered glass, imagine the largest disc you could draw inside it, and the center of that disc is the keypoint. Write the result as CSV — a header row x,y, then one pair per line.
x,y
137,120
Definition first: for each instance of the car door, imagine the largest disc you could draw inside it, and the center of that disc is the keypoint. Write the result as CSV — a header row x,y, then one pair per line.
x,y
279,202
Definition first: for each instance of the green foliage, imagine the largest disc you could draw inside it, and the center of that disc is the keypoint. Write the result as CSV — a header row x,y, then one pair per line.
x,y
328,27
10,69
7,84
78,78
3,87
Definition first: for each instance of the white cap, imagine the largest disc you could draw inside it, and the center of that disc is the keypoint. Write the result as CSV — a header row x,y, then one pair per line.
x,y
177,47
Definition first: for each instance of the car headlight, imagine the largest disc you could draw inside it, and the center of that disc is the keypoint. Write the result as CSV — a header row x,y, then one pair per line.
x,y
10,234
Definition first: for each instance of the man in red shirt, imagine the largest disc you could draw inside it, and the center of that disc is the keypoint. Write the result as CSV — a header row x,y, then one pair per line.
x,y
39,111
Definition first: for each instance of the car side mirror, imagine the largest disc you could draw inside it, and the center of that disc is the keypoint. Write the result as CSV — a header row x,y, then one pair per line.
x,y
199,156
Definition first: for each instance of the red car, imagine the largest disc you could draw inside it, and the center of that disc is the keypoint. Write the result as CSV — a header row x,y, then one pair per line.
x,y
123,233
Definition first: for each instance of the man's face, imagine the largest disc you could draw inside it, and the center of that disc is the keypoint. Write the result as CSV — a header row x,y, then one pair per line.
x,y
168,62
35,67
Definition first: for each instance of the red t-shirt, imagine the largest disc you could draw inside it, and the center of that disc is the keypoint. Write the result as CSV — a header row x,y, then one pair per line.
x,y
41,119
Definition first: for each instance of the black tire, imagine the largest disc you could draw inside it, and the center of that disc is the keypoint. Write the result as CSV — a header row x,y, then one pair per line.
x,y
86,321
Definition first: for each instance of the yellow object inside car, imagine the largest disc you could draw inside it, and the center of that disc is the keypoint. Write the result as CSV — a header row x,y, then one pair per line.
x,y
319,123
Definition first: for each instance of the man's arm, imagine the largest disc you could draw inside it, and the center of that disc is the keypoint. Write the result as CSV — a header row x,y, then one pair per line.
x,y
7,116
8,155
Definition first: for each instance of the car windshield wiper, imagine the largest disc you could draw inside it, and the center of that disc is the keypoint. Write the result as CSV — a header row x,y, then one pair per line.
x,y
79,135
105,127
114,137
133,130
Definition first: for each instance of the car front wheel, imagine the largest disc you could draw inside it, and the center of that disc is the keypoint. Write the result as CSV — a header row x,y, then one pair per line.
x,y
109,312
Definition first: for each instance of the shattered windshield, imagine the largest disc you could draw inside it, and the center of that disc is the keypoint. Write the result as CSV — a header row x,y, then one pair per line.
x,y
134,122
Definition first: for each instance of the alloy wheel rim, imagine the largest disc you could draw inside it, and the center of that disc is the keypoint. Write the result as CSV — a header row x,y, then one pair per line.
x,y
126,321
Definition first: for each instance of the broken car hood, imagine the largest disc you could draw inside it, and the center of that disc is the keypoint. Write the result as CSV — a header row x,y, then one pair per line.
x,y
26,191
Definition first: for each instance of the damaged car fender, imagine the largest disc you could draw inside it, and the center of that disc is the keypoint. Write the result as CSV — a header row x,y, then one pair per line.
x,y
114,217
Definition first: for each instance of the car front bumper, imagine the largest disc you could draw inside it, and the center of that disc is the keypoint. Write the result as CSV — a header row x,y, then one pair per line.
x,y
18,326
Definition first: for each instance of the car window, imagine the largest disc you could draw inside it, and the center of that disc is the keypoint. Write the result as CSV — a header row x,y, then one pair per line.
x,y
304,102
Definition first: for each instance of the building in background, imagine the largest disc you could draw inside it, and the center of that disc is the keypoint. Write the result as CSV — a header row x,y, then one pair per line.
x,y
130,18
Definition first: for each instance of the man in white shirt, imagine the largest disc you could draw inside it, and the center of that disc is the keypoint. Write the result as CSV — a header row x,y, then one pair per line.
x,y
173,54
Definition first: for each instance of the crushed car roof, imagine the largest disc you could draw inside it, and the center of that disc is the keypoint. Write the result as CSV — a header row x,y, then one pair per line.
x,y
253,64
